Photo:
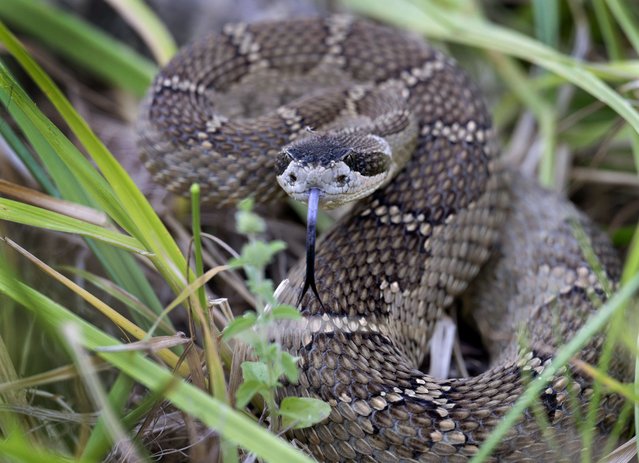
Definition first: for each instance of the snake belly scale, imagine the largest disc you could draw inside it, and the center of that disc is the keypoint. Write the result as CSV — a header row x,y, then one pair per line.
x,y
223,108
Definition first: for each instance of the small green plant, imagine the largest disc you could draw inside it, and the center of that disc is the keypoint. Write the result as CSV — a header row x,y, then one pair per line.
x,y
262,376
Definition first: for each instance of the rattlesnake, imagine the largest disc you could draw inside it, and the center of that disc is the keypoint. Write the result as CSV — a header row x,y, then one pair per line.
x,y
220,112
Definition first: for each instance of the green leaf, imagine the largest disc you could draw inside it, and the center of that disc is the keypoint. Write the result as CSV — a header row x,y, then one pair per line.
x,y
289,365
258,253
240,324
246,205
302,412
255,371
263,289
271,353
285,312
246,391
246,221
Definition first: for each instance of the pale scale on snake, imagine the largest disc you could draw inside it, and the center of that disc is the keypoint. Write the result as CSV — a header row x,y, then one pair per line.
x,y
221,111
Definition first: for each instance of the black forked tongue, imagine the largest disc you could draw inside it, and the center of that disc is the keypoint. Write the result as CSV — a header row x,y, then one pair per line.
x,y
311,225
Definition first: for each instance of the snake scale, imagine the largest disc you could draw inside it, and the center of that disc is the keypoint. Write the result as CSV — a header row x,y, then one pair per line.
x,y
220,114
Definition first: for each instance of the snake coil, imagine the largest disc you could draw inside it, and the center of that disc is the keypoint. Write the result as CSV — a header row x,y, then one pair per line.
x,y
223,108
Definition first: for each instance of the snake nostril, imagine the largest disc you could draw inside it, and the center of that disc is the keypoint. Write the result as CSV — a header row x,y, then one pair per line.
x,y
341,180
292,178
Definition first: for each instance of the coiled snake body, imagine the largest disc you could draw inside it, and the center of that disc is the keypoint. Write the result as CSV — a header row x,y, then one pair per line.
x,y
220,113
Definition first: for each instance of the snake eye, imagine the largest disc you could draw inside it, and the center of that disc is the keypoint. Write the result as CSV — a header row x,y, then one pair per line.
x,y
350,161
369,164
341,180
282,161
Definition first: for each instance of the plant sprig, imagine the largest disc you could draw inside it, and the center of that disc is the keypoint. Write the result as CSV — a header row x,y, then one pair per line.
x,y
262,375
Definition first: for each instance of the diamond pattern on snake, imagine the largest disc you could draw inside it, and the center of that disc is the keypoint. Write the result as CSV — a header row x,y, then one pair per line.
x,y
337,109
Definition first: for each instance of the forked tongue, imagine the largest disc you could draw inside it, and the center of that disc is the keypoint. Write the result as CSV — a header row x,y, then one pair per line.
x,y
311,225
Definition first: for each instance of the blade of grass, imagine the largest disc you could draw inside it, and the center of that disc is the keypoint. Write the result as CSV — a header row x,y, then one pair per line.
x,y
217,380
61,206
119,320
126,447
51,376
624,17
608,30
128,299
77,181
83,44
25,214
434,21
27,158
197,239
73,174
148,26
546,18
610,383
148,228
543,111
16,448
631,266
99,442
231,424
562,357
15,396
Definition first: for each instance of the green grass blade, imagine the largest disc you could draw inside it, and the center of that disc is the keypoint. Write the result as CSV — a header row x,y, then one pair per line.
x,y
148,228
197,239
435,22
134,305
624,17
148,26
27,159
99,442
15,448
608,30
127,272
81,43
77,181
595,324
231,424
18,212
546,16
631,266
74,342
72,173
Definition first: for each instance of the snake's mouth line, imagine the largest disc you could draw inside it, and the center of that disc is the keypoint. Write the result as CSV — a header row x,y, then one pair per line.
x,y
325,201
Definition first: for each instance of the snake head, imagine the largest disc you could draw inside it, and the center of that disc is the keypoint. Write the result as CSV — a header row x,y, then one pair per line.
x,y
343,167
328,170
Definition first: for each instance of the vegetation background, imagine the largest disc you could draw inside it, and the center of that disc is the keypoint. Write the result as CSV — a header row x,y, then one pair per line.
x,y
93,256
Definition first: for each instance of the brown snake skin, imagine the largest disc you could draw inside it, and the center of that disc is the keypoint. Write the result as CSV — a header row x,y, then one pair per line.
x,y
219,112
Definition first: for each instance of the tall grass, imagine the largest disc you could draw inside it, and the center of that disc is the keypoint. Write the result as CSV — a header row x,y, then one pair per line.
x,y
565,106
